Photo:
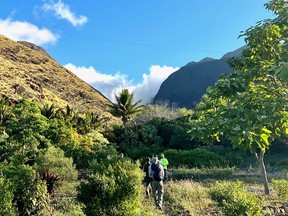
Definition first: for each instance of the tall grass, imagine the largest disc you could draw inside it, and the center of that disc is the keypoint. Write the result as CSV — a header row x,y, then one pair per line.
x,y
188,198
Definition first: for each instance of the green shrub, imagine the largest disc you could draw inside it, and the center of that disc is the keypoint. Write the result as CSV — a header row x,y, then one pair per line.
x,y
281,188
282,164
6,198
199,158
235,200
54,161
30,193
113,189
70,207
141,142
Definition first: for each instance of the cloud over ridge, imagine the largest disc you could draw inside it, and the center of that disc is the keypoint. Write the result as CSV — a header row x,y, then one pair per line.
x,y
109,85
63,11
25,31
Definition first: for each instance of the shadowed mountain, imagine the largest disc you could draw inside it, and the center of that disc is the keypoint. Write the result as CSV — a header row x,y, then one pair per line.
x,y
28,71
186,86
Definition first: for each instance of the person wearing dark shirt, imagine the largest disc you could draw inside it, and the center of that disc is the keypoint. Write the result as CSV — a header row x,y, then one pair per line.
x,y
147,179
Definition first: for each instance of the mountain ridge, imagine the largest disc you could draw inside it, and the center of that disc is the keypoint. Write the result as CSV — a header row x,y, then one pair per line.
x,y
28,71
186,86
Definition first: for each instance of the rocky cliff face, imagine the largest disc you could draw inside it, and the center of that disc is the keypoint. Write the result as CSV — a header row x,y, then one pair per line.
x,y
28,71
186,86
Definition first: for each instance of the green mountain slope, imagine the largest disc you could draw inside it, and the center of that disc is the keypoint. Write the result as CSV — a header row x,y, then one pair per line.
x,y
186,86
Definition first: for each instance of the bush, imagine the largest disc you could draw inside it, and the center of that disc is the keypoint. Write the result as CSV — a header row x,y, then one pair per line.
x,y
30,193
199,158
281,188
234,199
141,142
113,189
6,198
53,162
282,164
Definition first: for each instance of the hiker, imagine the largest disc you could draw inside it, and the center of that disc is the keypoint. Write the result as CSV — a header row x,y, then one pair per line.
x,y
150,157
165,164
147,179
156,172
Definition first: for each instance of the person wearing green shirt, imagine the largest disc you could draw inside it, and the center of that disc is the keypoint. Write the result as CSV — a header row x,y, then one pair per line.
x,y
165,164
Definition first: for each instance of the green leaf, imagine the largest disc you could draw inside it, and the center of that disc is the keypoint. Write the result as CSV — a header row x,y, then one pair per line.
x,y
265,138
265,130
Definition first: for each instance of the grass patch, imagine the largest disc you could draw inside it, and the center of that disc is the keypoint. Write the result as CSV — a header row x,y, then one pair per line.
x,y
188,198
196,174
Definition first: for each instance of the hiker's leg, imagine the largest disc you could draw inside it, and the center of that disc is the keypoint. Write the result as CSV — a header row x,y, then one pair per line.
x,y
154,190
165,175
160,193
148,188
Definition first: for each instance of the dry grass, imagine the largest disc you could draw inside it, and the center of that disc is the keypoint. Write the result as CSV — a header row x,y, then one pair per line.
x,y
190,196
186,198
28,73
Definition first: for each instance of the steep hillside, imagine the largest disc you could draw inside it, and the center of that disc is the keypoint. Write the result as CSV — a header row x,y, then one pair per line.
x,y
186,86
28,71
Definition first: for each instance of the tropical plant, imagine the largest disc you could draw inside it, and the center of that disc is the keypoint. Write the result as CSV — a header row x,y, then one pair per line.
x,y
48,110
124,106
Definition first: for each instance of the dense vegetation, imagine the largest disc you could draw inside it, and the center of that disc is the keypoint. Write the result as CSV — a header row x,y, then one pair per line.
x,y
60,161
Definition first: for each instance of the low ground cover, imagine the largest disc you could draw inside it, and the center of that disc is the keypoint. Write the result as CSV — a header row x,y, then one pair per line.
x,y
198,196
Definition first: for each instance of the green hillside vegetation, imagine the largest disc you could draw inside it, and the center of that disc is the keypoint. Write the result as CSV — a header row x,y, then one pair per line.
x,y
59,157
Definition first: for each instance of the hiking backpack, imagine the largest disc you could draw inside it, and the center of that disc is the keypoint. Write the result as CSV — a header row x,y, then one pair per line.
x,y
156,172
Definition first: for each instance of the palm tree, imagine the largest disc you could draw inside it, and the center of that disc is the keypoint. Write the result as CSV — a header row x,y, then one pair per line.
x,y
124,107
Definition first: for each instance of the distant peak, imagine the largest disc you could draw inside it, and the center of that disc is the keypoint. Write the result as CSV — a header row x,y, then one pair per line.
x,y
207,59
235,53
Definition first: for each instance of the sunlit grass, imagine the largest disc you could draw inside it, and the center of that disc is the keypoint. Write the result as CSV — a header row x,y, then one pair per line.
x,y
188,198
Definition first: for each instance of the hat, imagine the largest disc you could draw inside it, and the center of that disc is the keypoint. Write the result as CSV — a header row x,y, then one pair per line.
x,y
154,160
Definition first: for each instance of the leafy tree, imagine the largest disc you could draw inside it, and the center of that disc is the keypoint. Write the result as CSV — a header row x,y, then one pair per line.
x,y
25,132
141,142
124,106
250,105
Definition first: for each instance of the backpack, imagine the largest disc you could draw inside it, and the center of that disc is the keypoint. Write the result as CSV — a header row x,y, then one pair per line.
x,y
156,172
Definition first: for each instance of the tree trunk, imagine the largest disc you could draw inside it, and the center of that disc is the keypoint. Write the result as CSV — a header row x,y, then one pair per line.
x,y
264,173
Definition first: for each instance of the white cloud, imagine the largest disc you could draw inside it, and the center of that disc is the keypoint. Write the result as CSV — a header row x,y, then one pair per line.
x,y
151,82
63,12
107,84
110,84
17,30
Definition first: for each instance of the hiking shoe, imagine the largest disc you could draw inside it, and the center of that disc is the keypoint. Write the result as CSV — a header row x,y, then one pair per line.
x,y
160,207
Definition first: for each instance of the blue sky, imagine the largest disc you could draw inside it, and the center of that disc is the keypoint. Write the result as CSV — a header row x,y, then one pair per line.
x,y
115,44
